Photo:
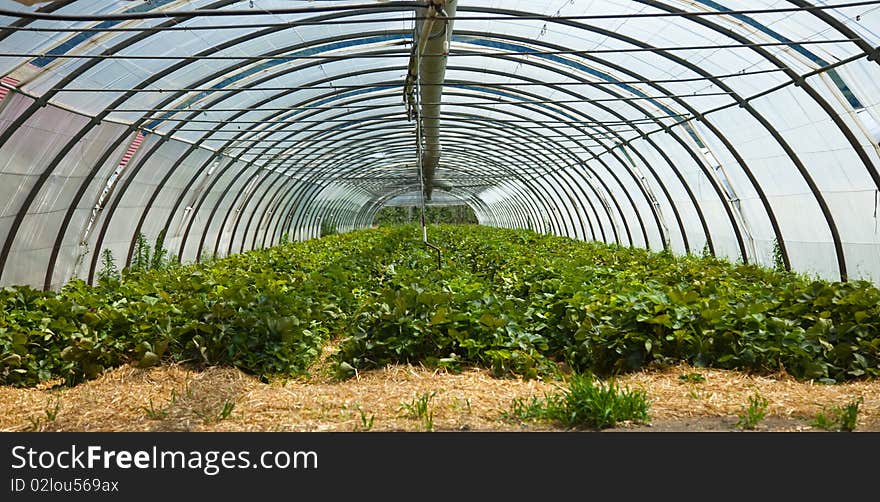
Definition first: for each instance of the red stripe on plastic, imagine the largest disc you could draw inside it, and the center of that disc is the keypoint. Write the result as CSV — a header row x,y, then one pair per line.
x,y
132,149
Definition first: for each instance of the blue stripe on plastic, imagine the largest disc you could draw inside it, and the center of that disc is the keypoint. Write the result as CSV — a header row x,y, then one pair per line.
x,y
82,36
495,44
222,85
832,73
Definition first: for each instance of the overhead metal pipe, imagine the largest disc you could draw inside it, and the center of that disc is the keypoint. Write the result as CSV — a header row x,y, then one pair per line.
x,y
433,35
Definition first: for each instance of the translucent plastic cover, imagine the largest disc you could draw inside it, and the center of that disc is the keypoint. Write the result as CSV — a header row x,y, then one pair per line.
x,y
749,129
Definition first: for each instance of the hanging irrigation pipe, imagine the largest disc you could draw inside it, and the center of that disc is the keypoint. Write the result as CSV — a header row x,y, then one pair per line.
x,y
412,97
422,187
422,195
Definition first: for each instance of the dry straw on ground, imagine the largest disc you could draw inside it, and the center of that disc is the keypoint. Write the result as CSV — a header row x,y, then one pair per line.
x,y
176,398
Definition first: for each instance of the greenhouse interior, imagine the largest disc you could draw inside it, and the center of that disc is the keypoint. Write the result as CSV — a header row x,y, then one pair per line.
x,y
539,189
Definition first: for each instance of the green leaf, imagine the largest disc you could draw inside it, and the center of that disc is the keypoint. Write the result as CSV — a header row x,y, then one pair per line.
x,y
439,316
148,359
151,300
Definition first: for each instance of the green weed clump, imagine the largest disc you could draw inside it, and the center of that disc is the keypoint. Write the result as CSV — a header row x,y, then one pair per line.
x,y
420,409
839,418
754,413
585,403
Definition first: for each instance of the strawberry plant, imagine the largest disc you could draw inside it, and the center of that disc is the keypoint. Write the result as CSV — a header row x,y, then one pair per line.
x,y
514,301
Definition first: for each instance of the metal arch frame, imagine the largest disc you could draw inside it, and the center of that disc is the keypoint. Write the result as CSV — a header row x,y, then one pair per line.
x,y
367,213
333,167
313,212
685,186
366,218
844,129
371,118
516,211
368,119
472,193
43,100
314,184
566,170
669,130
142,160
839,26
684,145
495,217
551,173
374,118
794,78
372,208
330,151
231,140
829,110
579,162
348,205
501,215
363,171
272,207
491,217
206,137
212,216
673,206
709,77
532,207
822,102
252,192
293,133
52,7
697,206
459,148
478,157
847,129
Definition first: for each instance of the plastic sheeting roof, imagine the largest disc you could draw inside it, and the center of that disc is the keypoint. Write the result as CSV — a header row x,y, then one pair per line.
x,y
749,129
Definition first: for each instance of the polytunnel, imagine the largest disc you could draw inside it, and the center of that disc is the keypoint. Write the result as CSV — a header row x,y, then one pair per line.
x,y
745,129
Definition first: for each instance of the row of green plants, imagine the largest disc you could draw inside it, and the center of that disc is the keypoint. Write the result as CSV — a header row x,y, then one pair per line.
x,y
267,312
519,302
514,301
404,215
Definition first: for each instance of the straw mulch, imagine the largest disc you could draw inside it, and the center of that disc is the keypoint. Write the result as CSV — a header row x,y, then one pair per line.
x,y
177,398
